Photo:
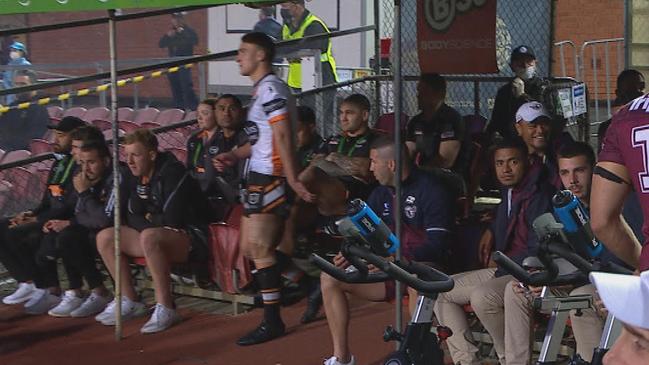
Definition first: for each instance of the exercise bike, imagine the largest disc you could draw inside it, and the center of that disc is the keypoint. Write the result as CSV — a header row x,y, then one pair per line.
x,y
559,263
368,241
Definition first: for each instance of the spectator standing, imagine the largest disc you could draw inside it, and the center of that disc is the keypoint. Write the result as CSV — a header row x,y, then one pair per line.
x,y
525,84
17,57
19,126
300,23
267,23
180,40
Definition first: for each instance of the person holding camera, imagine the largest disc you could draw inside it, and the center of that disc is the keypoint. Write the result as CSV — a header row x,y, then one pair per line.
x,y
180,40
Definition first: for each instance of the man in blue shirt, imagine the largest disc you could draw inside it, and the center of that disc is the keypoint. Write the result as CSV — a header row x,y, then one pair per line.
x,y
427,219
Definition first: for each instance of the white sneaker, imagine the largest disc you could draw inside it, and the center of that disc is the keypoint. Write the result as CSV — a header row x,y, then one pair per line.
x,y
161,319
22,294
41,302
334,361
107,312
94,304
130,309
69,303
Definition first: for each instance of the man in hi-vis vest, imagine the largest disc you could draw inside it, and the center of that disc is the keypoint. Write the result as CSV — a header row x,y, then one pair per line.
x,y
299,23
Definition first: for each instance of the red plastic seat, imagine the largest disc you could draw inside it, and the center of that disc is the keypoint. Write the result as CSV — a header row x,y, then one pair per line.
x,y
180,153
386,123
146,115
77,111
150,125
127,126
38,146
191,115
227,262
171,139
54,111
125,113
16,155
170,116
100,112
102,124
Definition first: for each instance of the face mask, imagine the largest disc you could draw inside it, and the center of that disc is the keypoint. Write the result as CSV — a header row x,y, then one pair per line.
x,y
526,73
286,15
14,55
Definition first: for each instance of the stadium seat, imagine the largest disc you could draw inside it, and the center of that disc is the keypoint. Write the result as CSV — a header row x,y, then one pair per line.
x,y
187,131
108,134
127,126
16,155
103,125
38,146
170,116
229,268
76,111
5,197
125,113
98,113
26,187
191,115
54,111
386,123
150,125
146,115
171,139
180,153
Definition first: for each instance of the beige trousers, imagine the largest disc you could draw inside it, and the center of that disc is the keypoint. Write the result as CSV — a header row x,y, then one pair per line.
x,y
587,328
485,293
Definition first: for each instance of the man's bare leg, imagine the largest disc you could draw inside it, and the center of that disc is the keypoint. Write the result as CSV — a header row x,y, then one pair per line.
x,y
130,245
336,306
163,247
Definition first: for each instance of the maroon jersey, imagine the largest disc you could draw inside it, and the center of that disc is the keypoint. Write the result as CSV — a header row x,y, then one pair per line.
x,y
627,143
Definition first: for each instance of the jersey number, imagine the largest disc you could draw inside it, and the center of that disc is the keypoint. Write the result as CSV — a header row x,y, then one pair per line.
x,y
640,137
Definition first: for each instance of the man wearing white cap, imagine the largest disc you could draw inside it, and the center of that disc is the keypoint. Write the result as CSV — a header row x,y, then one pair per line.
x,y
533,125
617,292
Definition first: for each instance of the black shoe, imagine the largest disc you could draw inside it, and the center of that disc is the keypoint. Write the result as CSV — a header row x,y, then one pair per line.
x,y
264,333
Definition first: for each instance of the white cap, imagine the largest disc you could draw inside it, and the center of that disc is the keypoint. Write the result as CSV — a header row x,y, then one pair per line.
x,y
625,296
530,112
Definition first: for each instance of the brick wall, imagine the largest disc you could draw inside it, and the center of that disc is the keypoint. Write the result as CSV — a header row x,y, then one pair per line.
x,y
586,20
136,39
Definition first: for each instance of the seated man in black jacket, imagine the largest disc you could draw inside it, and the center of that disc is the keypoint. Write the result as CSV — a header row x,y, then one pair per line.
x,y
221,130
76,243
161,209
27,241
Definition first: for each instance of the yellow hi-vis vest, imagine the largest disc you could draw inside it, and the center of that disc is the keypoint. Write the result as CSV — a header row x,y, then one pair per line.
x,y
295,67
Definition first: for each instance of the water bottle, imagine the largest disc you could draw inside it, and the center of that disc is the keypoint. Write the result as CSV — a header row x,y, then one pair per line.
x,y
576,224
380,238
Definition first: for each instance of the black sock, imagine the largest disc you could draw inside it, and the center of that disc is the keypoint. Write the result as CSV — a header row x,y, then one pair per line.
x,y
268,280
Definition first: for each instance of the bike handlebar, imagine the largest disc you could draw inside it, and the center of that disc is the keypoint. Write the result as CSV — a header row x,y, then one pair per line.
x,y
425,279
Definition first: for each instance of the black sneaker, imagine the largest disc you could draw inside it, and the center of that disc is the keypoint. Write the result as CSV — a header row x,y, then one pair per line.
x,y
264,333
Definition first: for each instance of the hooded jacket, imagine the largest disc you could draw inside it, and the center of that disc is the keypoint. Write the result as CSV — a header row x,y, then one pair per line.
x,y
513,232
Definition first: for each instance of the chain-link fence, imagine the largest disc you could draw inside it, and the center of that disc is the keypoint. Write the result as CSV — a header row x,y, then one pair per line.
x,y
519,22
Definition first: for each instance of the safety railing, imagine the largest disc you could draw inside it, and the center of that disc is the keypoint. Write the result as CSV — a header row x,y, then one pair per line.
x,y
591,59
564,54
